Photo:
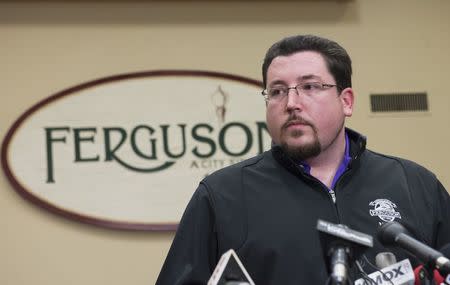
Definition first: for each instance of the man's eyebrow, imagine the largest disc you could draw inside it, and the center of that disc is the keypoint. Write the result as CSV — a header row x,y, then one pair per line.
x,y
277,82
300,78
308,76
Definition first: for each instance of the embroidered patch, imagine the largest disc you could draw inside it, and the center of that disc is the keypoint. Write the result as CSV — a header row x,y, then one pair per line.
x,y
384,209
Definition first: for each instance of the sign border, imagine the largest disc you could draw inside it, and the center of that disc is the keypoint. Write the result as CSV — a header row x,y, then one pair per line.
x,y
86,219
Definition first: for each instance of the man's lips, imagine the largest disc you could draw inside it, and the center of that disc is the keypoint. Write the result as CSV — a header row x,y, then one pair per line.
x,y
294,123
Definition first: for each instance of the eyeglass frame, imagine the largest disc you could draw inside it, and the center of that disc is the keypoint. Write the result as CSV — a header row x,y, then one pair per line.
x,y
323,86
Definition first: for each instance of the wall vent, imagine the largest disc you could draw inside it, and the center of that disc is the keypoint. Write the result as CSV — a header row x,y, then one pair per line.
x,y
399,102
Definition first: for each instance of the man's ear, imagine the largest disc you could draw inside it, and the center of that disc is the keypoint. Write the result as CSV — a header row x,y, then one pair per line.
x,y
347,98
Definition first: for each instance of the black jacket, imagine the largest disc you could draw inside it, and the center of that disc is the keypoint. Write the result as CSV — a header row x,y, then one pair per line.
x,y
266,208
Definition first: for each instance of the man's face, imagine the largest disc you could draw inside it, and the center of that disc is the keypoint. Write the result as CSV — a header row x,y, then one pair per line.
x,y
306,125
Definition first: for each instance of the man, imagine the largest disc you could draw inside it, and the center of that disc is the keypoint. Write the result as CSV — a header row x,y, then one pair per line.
x,y
266,208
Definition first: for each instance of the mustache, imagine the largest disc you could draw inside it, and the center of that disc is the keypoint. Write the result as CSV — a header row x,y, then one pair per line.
x,y
296,119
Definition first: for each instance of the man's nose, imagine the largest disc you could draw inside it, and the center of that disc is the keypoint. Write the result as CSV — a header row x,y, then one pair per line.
x,y
294,99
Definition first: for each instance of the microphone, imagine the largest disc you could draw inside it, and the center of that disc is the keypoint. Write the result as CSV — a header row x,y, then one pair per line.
x,y
398,273
423,275
230,271
446,252
384,259
340,246
393,233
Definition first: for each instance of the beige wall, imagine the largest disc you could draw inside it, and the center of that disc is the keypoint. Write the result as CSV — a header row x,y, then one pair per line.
x,y
400,45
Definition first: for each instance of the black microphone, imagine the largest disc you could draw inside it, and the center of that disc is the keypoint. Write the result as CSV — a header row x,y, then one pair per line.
x,y
341,246
446,252
425,275
393,233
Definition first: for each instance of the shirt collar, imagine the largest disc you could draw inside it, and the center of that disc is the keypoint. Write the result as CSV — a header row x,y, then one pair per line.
x,y
342,167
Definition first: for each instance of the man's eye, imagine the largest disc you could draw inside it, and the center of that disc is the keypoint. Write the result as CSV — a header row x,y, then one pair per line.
x,y
276,92
311,86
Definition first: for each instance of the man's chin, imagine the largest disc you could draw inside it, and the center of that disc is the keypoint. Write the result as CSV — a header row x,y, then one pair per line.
x,y
301,150
298,142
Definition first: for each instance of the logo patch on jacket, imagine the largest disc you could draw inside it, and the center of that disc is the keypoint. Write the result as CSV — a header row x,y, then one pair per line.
x,y
384,209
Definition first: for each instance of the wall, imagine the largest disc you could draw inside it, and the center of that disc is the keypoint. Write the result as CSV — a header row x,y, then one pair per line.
x,y
48,46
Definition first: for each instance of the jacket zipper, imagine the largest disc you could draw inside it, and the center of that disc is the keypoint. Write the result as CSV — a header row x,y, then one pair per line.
x,y
333,195
330,192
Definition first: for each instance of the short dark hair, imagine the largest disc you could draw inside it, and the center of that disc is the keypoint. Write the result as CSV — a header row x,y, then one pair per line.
x,y
338,61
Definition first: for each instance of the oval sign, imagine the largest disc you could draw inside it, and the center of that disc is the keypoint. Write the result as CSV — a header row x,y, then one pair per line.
x,y
127,151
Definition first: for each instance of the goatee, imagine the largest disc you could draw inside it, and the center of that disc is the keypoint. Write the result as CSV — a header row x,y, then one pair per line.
x,y
305,151
302,152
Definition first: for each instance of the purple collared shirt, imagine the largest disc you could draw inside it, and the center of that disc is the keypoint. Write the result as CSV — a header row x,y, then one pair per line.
x,y
342,167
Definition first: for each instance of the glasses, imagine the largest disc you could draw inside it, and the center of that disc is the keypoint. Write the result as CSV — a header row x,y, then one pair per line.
x,y
278,92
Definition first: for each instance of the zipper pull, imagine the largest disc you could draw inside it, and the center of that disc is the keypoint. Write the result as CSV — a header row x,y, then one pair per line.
x,y
333,195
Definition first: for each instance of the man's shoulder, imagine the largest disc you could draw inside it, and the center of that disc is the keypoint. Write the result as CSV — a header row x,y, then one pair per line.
x,y
239,166
233,173
409,166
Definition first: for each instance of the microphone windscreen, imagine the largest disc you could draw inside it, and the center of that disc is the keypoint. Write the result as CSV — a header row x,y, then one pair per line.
x,y
385,259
